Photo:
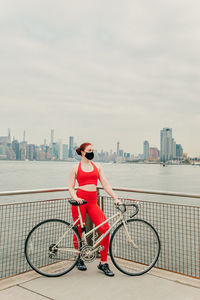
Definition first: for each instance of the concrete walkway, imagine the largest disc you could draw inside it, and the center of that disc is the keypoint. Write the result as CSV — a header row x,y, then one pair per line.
x,y
93,284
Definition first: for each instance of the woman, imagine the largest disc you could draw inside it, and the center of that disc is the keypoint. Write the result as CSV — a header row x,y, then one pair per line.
x,y
87,174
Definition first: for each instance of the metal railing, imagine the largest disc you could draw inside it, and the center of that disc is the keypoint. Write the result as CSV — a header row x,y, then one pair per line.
x,y
178,226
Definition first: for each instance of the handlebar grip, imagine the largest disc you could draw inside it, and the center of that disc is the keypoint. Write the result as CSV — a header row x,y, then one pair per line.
x,y
74,202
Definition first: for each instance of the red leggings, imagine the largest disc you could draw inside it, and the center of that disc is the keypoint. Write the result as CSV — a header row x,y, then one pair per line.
x,y
96,215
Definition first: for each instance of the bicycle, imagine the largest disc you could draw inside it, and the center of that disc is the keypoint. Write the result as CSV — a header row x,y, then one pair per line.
x,y
134,245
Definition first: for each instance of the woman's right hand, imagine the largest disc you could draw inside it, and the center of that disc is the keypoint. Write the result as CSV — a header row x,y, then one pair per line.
x,y
79,200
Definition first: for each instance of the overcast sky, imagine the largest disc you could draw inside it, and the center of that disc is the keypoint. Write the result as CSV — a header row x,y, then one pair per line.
x,y
101,71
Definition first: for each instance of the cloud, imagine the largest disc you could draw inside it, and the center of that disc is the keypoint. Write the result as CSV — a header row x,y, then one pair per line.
x,y
108,70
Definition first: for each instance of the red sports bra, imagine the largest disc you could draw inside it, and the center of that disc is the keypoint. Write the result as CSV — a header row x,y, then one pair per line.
x,y
87,177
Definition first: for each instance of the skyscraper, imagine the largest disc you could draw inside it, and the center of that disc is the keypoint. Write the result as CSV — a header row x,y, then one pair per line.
x,y
24,136
71,146
31,151
60,146
173,148
146,149
52,136
65,152
9,136
166,144
179,151
118,151
153,153
15,147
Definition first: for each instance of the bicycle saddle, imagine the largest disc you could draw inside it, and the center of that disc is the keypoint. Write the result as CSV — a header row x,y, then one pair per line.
x,y
74,202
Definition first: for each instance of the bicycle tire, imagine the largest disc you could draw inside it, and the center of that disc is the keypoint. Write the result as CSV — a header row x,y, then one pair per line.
x,y
124,258
42,256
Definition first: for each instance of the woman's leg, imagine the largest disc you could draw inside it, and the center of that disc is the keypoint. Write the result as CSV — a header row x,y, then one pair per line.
x,y
97,216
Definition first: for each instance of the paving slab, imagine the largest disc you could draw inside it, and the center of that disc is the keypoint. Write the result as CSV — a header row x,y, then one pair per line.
x,y
93,284
20,293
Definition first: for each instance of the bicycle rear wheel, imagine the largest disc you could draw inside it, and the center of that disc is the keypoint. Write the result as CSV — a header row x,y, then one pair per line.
x,y
41,253
128,259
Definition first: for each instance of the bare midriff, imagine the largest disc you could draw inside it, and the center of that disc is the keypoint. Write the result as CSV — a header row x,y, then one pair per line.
x,y
88,187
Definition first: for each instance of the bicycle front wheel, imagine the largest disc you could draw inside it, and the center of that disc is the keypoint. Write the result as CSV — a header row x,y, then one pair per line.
x,y
49,248
137,254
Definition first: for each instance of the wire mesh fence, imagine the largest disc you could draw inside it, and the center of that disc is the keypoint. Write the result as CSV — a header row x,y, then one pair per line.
x,y
16,222
177,225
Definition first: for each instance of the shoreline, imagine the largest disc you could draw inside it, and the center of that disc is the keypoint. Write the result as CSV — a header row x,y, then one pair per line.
x,y
109,162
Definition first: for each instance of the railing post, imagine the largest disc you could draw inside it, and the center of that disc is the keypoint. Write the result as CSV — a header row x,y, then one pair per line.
x,y
89,224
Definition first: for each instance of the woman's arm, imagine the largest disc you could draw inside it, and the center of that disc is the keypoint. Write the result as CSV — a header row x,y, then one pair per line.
x,y
71,185
106,186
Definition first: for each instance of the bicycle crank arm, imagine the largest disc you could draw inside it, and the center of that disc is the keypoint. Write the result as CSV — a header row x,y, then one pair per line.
x,y
68,250
98,248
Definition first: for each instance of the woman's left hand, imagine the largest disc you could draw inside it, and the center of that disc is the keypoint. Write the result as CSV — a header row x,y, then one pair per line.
x,y
117,201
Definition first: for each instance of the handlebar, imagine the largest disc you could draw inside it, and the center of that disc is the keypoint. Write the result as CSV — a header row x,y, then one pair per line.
x,y
74,202
124,208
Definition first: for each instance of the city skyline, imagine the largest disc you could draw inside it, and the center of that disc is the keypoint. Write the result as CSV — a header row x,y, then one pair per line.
x,y
53,138
170,150
101,75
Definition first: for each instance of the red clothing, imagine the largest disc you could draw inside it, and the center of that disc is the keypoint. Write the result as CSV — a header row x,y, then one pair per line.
x,y
91,207
87,177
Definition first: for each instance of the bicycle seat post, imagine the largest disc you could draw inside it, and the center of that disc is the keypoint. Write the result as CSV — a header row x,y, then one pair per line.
x,y
82,227
79,213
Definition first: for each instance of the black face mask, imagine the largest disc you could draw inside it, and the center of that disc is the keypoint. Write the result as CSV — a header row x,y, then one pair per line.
x,y
89,155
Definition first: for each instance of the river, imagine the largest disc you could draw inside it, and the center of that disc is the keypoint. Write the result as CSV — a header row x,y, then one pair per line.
x,y
23,175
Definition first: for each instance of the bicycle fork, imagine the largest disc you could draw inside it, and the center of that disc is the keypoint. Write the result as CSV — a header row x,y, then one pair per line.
x,y
128,235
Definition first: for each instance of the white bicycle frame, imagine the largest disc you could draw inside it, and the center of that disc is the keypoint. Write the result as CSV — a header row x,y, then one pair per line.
x,y
84,235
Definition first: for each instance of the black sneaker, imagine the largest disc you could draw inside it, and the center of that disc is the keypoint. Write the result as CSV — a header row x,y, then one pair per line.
x,y
80,265
105,269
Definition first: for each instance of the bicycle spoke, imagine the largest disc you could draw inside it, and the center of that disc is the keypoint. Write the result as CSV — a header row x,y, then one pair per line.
x,y
126,257
42,253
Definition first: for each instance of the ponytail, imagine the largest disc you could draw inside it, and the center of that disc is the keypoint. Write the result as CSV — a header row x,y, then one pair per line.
x,y
82,147
78,151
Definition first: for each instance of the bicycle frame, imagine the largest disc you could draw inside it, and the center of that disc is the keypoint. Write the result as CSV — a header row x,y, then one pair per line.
x,y
84,235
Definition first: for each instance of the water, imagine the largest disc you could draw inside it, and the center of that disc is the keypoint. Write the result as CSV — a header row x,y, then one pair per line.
x,y
23,175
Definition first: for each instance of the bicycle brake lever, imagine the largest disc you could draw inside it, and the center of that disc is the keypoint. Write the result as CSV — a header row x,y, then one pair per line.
x,y
135,213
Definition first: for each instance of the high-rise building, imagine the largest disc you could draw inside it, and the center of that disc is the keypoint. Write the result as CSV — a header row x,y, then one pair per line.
x,y
117,149
153,153
55,151
31,155
15,147
121,152
60,151
4,140
146,150
11,155
166,144
65,152
179,151
52,136
3,154
173,148
24,136
71,146
9,135
22,150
